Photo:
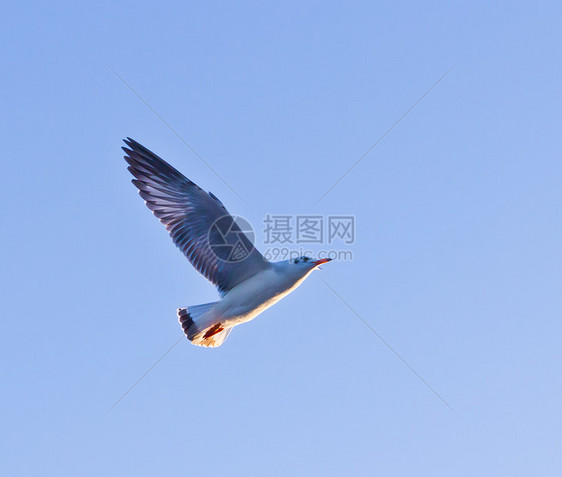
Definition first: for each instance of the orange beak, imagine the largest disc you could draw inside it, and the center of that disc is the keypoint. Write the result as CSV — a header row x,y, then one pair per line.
x,y
322,260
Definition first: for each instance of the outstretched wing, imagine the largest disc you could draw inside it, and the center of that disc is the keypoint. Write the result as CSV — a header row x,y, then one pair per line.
x,y
198,223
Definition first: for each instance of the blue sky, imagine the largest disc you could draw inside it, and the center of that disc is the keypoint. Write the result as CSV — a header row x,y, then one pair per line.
x,y
456,262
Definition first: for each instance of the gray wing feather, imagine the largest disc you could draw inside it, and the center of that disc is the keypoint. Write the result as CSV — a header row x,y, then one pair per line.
x,y
196,220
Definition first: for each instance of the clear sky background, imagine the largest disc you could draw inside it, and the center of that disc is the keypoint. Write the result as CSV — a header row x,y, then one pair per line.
x,y
457,261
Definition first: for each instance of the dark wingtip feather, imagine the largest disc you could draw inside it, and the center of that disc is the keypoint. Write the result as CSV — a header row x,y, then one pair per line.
x,y
139,148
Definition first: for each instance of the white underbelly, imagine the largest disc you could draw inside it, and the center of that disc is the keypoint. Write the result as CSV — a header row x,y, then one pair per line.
x,y
252,297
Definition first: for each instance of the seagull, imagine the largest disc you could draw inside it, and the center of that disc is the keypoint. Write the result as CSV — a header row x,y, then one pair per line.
x,y
211,239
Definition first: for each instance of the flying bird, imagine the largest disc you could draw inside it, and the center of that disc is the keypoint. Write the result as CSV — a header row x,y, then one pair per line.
x,y
210,238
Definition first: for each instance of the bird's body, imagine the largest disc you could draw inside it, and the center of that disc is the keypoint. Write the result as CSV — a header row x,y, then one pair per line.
x,y
203,229
247,300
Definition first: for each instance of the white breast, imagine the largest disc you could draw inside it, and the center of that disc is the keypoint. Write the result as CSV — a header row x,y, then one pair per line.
x,y
255,295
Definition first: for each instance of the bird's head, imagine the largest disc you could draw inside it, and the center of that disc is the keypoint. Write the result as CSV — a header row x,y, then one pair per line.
x,y
301,266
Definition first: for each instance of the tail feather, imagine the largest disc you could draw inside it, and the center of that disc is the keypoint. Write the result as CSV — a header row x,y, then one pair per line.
x,y
185,320
201,331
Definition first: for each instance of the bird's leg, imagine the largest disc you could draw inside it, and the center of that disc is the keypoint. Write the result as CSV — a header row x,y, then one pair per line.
x,y
213,330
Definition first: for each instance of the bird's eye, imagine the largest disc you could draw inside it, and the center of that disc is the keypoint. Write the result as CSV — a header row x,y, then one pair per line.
x,y
305,259
296,260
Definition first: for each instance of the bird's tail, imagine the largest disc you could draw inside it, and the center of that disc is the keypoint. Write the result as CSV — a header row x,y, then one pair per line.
x,y
200,329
